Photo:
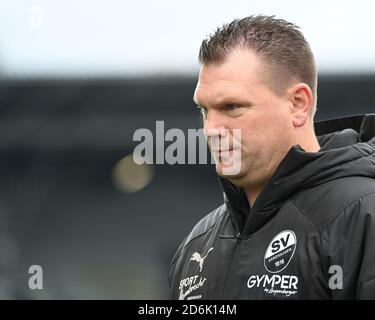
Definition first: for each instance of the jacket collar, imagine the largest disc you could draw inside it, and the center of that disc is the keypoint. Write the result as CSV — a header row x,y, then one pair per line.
x,y
299,169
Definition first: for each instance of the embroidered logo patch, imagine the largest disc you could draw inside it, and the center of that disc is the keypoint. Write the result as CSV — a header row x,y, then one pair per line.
x,y
280,251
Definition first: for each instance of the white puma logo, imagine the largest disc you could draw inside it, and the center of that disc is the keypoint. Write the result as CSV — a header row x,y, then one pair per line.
x,y
197,257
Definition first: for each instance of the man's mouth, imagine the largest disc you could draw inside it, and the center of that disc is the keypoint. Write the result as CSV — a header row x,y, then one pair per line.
x,y
224,155
221,150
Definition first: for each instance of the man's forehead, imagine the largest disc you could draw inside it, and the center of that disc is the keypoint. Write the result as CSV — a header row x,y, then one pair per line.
x,y
239,71
217,92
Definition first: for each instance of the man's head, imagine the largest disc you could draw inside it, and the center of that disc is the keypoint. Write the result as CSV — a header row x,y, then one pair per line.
x,y
258,75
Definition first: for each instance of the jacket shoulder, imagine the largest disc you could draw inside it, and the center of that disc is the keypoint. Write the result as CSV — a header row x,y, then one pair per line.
x,y
205,224
323,203
202,227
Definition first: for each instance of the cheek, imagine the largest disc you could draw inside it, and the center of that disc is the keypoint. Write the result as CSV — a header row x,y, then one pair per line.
x,y
254,141
263,133
278,120
260,123
252,131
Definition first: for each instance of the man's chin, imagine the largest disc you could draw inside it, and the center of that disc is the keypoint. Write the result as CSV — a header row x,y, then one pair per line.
x,y
230,172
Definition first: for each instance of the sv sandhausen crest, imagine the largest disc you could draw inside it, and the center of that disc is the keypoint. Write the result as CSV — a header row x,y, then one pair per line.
x,y
280,251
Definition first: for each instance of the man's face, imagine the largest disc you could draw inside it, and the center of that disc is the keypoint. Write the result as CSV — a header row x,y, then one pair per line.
x,y
235,95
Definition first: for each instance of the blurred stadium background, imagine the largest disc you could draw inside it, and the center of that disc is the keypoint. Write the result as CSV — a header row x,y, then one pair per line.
x,y
77,78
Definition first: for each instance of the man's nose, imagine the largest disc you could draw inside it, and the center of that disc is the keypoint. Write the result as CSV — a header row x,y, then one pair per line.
x,y
214,125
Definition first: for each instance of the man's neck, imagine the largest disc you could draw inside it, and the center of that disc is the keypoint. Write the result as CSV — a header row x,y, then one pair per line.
x,y
252,192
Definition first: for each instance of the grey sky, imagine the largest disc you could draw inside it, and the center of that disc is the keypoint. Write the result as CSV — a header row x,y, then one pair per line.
x,y
86,37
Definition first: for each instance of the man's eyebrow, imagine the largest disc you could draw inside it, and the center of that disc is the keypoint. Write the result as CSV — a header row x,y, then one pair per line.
x,y
222,100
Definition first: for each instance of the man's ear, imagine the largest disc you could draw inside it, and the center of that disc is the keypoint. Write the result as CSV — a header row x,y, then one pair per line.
x,y
301,98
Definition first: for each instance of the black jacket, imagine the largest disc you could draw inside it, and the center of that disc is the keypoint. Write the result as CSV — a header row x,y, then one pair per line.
x,y
309,235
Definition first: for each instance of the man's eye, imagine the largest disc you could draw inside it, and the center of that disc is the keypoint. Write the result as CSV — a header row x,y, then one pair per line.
x,y
231,107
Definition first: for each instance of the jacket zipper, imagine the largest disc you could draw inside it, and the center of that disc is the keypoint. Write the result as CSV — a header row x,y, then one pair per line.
x,y
229,277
